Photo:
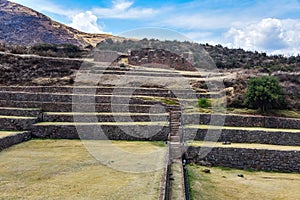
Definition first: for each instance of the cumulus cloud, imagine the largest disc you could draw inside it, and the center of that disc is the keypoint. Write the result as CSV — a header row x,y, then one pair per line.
x,y
271,35
123,9
87,22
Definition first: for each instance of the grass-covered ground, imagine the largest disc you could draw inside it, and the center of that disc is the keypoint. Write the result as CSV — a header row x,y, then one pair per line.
x,y
200,126
63,169
225,184
245,146
8,133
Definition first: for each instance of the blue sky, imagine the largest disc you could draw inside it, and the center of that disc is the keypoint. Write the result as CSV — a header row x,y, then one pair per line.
x,y
271,26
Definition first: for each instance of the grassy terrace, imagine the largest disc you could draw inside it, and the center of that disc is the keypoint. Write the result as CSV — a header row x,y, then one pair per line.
x,y
16,117
223,183
63,169
26,109
243,128
103,123
8,133
107,113
246,146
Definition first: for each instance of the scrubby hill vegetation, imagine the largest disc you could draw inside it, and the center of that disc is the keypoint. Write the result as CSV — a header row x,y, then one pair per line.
x,y
222,56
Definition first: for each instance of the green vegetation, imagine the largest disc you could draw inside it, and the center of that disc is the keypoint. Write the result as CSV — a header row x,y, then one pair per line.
x,y
63,50
167,101
264,93
223,183
204,103
52,50
222,56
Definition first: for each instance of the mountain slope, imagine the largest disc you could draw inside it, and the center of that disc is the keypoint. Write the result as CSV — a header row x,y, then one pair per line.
x,y
24,26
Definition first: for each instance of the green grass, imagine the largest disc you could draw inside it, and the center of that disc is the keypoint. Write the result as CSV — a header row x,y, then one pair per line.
x,y
167,101
224,184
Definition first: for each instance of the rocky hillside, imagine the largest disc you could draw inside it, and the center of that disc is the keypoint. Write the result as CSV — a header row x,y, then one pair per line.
x,y
223,57
23,26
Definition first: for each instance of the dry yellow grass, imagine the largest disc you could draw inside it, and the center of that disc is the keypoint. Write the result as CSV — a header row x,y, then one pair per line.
x,y
246,146
103,123
63,169
244,128
8,133
226,185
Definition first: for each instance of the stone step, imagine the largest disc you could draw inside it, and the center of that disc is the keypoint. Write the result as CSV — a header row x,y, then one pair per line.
x,y
10,138
175,139
104,117
27,112
15,123
157,131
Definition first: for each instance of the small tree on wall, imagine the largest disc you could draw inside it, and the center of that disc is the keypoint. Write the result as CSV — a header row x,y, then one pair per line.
x,y
264,93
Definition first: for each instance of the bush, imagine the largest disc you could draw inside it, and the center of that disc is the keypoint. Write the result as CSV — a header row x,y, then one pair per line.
x,y
203,103
264,93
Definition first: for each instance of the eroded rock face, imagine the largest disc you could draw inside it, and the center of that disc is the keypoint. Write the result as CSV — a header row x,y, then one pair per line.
x,y
23,26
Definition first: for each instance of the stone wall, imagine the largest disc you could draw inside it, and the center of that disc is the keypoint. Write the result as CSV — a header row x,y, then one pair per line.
x,y
112,132
245,120
16,124
14,139
254,159
246,136
159,56
105,118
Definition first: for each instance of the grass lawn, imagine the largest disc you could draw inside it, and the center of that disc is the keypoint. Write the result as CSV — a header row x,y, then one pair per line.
x,y
63,169
224,184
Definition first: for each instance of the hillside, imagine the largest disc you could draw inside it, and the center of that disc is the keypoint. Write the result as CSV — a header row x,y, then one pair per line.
x,y
223,57
23,26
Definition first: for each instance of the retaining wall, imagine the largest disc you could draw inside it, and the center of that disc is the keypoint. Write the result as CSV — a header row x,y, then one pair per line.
x,y
246,136
112,132
244,120
254,159
105,118
14,139
16,124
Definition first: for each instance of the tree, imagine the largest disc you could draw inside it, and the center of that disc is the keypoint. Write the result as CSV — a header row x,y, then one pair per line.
x,y
264,93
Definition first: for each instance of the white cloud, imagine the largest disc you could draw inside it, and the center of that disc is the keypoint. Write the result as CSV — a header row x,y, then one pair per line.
x,y
123,9
271,35
86,22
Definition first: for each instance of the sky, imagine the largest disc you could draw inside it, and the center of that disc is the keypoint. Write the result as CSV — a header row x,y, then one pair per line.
x,y
271,26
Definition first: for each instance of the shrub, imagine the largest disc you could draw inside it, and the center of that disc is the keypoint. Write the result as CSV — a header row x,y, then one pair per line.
x,y
203,103
264,93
